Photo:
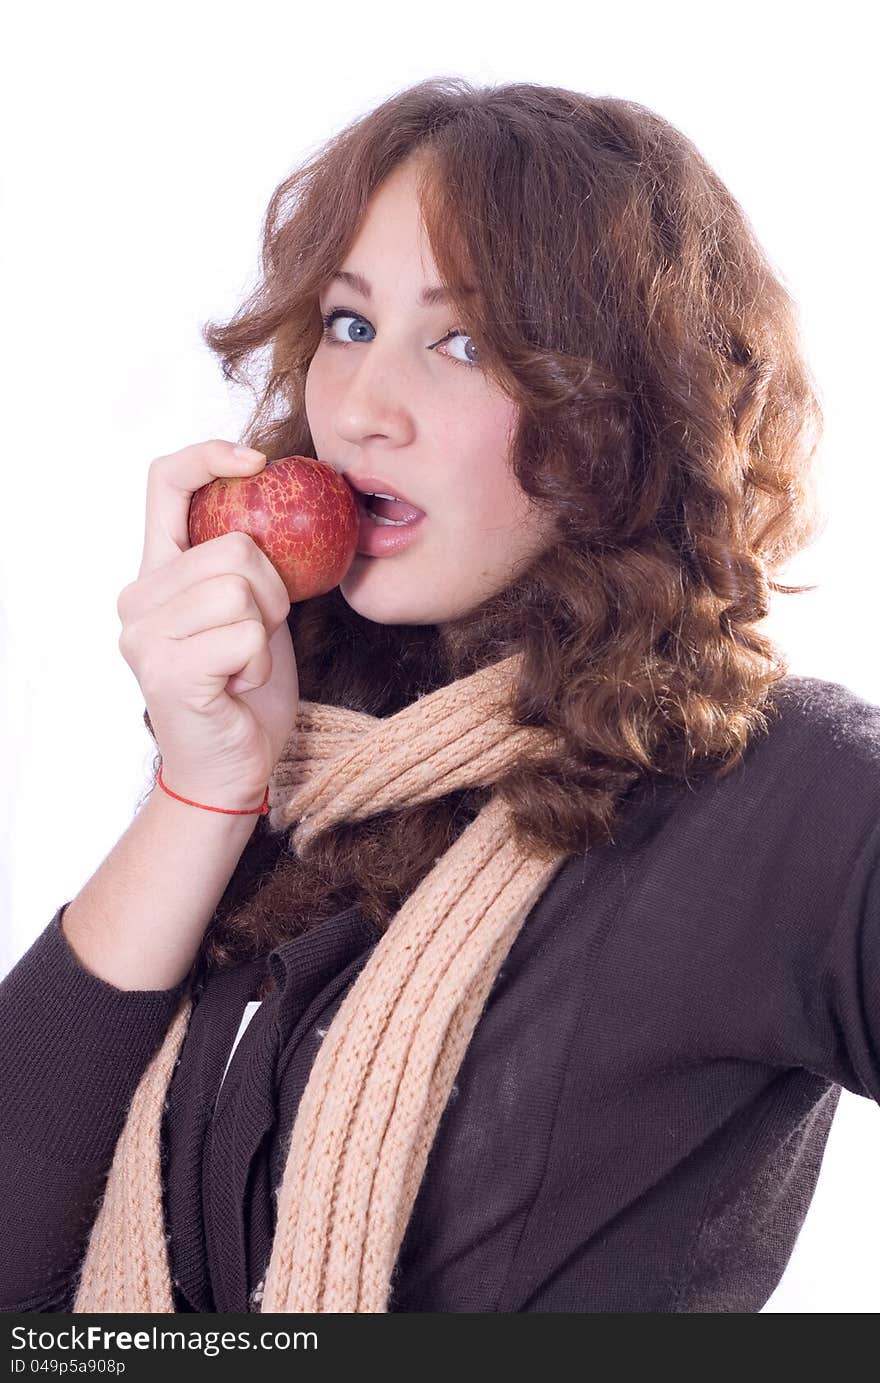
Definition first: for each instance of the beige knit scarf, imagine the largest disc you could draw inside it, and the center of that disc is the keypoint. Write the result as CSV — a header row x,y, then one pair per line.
x,y
384,1071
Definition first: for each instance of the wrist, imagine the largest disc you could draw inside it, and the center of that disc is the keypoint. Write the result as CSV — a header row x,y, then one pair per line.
x,y
211,829
261,808
173,805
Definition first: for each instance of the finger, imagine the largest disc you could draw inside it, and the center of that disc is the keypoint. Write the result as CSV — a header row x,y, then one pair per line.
x,y
171,483
212,604
229,554
236,650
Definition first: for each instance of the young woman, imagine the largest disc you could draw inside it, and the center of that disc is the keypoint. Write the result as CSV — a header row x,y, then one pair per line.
x,y
536,987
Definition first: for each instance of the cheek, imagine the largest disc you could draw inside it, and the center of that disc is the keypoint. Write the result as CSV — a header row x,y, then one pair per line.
x,y
477,444
320,377
312,390
502,503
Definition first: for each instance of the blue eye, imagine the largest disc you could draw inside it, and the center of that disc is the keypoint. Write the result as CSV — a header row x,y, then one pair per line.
x,y
342,312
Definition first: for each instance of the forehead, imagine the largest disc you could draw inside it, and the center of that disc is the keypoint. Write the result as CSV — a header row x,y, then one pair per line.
x,y
392,246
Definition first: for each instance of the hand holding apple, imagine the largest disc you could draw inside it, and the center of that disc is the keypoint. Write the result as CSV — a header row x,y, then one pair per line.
x,y
300,513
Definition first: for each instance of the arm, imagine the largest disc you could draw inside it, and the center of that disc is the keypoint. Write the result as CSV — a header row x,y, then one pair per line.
x,y
73,1050
848,990
140,919
82,1013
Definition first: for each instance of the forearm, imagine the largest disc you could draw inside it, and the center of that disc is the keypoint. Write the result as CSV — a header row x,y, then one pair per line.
x,y
139,920
73,1051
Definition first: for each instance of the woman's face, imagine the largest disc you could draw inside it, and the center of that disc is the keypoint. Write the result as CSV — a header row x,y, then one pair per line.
x,y
387,396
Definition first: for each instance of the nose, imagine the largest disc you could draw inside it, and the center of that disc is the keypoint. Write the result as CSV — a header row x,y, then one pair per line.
x,y
375,398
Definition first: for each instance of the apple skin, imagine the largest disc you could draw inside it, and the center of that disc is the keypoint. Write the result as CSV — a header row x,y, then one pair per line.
x,y
299,511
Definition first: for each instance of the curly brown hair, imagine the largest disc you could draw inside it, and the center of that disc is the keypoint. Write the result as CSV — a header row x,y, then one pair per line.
x,y
667,418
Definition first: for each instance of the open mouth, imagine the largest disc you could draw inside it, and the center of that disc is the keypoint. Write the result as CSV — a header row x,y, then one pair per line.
x,y
383,535
395,512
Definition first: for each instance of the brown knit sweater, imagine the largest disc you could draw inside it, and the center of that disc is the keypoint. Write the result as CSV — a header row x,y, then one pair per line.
x,y
639,1120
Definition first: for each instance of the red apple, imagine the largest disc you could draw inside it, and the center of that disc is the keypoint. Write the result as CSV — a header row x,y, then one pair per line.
x,y
299,511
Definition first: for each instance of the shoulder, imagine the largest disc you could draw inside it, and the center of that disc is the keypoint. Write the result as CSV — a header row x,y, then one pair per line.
x,y
805,798
826,733
810,771
806,791
833,706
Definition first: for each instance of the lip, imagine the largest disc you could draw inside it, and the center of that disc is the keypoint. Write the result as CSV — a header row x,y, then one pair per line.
x,y
375,484
384,540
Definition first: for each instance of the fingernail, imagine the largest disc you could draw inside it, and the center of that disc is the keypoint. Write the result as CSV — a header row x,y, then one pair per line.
x,y
249,454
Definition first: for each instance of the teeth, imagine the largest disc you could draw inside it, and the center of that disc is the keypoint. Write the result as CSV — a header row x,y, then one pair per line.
x,y
378,496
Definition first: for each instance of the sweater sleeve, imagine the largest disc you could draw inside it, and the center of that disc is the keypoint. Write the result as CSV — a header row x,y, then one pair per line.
x,y
72,1052
847,995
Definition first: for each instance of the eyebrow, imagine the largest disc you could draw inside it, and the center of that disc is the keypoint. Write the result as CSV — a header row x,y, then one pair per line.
x,y
429,296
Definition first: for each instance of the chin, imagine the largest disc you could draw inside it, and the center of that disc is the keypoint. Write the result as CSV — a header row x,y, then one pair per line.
x,y
364,590
381,607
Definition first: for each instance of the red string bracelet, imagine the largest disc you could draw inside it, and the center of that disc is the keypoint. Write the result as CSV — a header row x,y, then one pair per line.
x,y
227,811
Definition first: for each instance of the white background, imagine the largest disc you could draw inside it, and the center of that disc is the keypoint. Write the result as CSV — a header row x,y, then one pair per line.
x,y
141,145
